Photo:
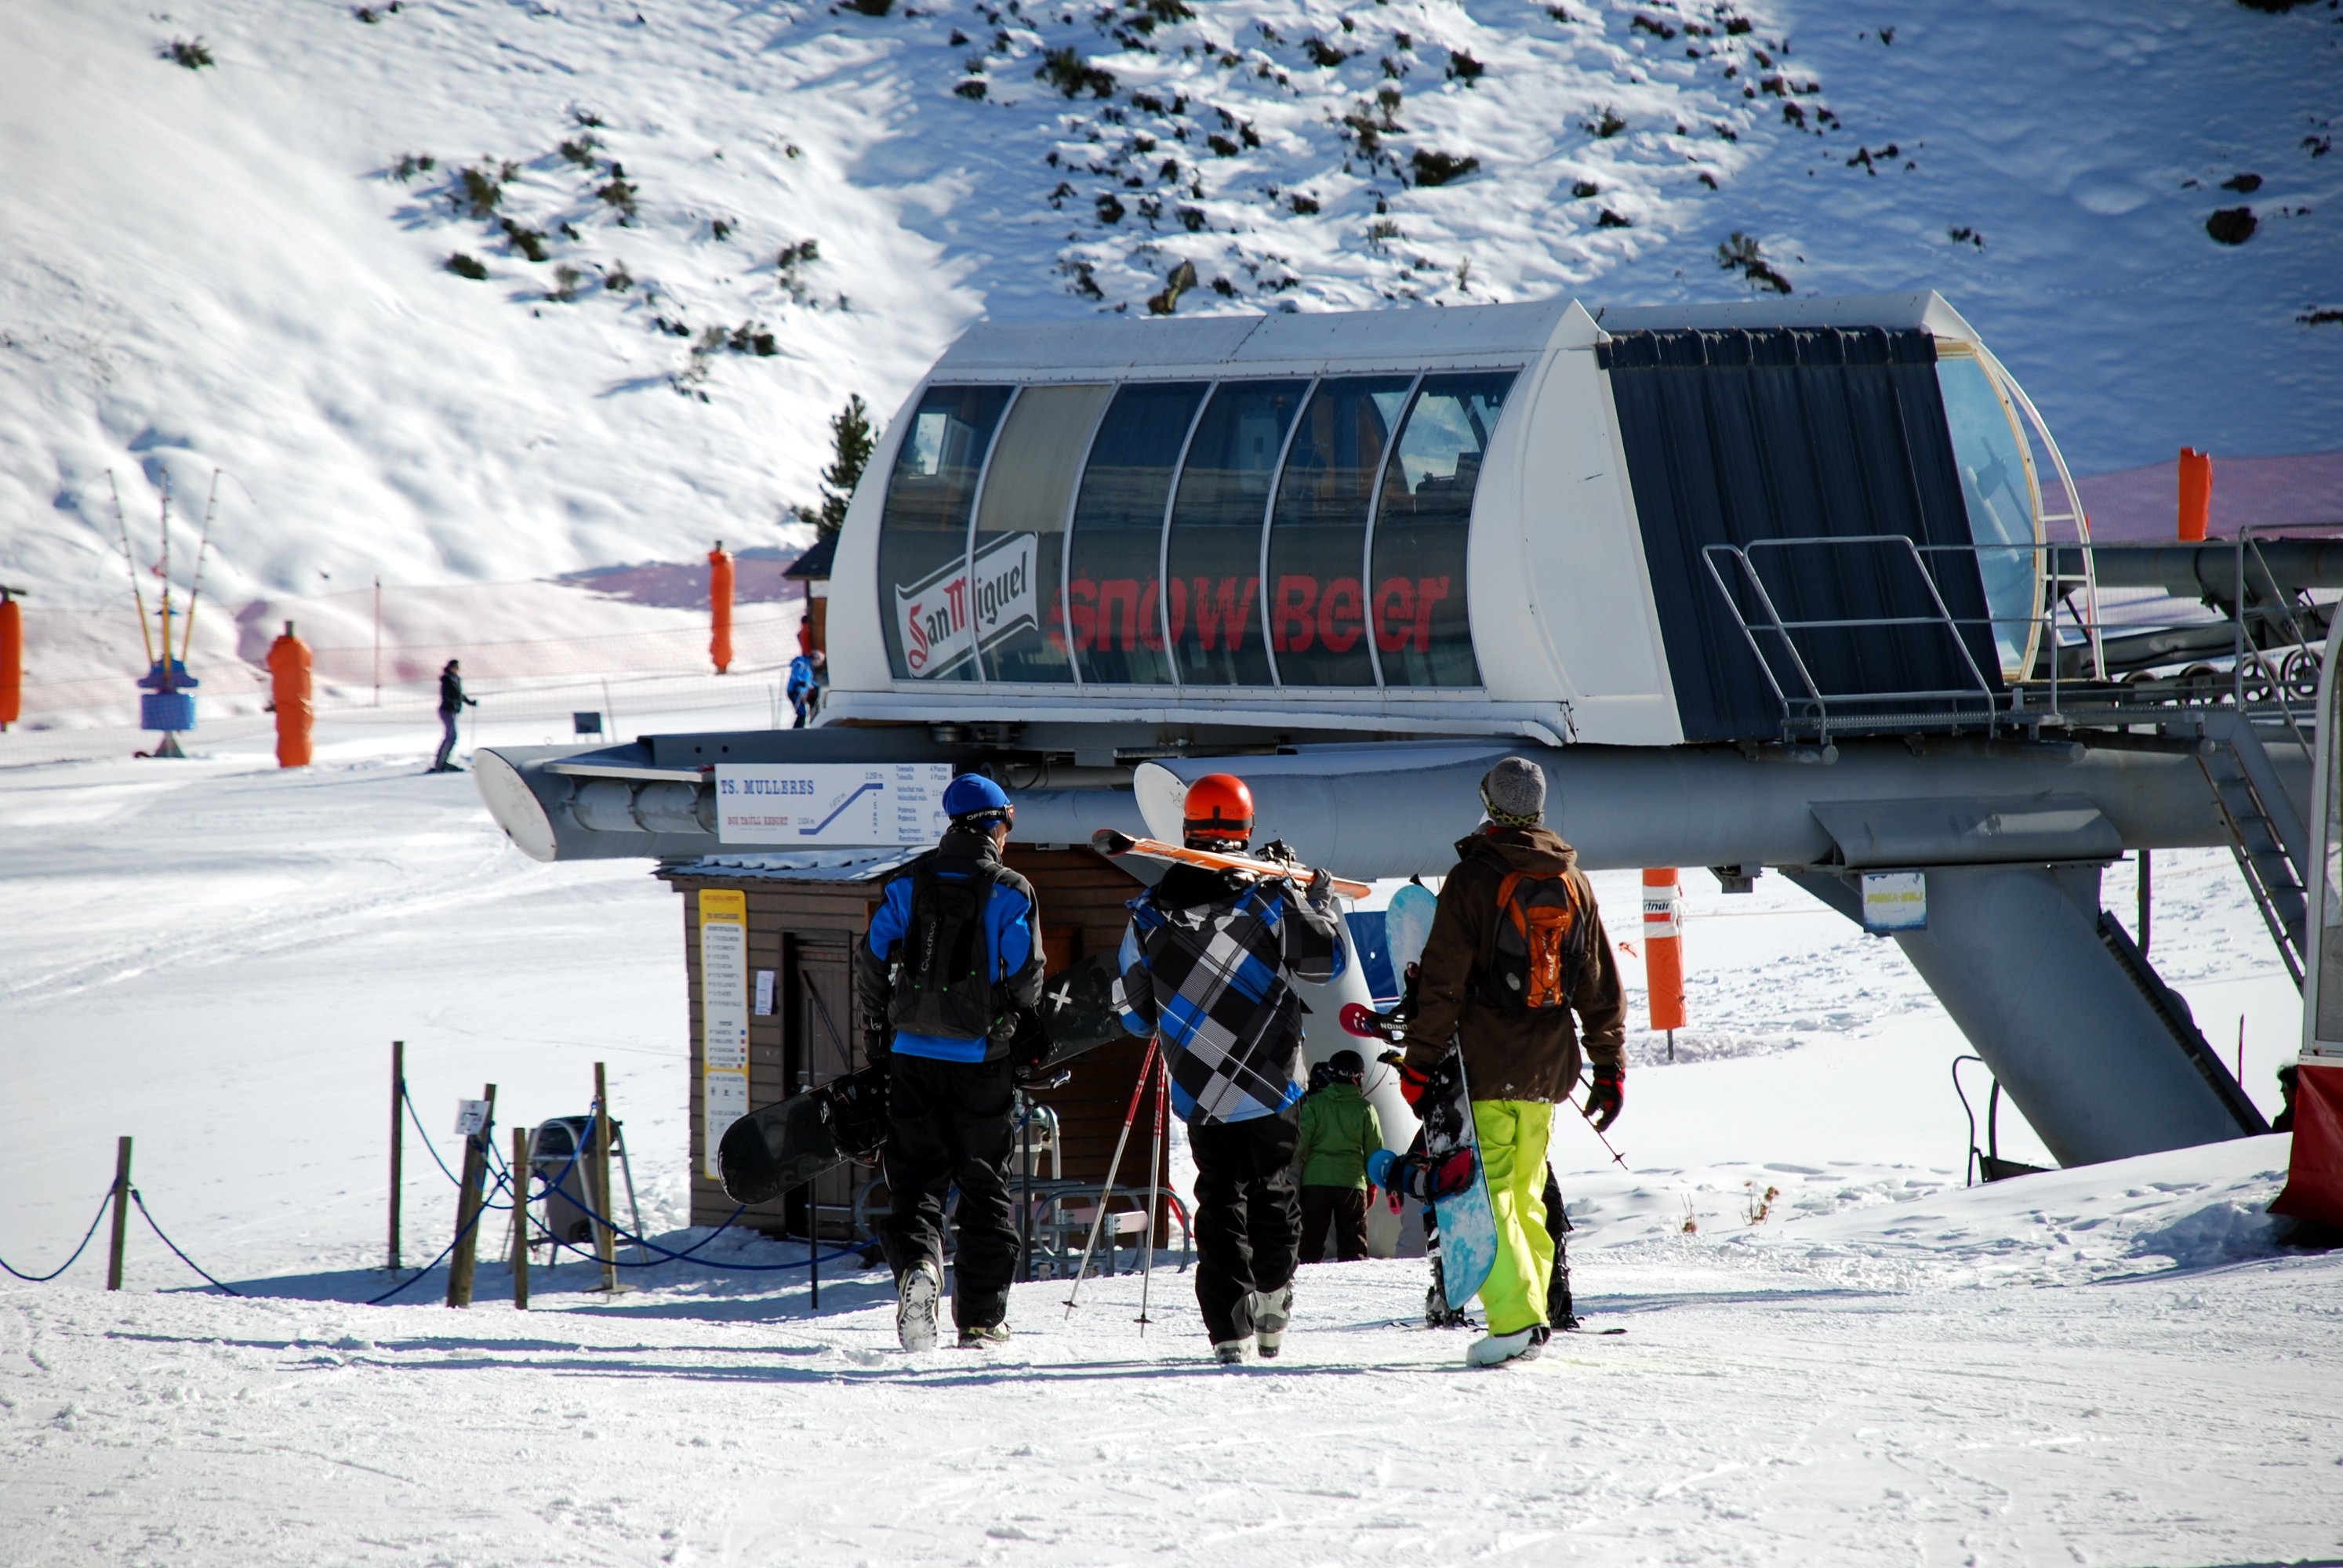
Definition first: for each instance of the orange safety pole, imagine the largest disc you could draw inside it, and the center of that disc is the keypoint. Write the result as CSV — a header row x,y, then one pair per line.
x,y
288,679
12,658
1663,950
2196,494
720,608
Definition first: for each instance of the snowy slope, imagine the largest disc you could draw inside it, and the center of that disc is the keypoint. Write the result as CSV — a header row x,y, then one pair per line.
x,y
222,267
2110,1365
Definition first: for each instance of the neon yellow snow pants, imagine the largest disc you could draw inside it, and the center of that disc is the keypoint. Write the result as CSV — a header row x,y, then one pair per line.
x,y
1513,1134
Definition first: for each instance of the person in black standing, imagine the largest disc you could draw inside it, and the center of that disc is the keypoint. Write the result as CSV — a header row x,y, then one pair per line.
x,y
452,703
951,961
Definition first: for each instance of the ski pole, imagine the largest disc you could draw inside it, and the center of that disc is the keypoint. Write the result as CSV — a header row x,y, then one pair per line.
x,y
1098,1221
1154,1195
1622,1159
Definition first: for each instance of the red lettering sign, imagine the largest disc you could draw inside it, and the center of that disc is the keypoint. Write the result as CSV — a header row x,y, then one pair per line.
x,y
1124,615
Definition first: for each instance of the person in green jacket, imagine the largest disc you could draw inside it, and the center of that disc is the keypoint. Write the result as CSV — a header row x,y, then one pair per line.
x,y
1339,1130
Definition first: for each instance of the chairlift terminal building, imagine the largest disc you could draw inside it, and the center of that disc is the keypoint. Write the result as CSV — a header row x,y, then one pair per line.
x,y
1799,584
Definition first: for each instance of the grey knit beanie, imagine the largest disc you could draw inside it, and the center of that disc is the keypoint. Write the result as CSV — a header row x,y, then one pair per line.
x,y
1514,793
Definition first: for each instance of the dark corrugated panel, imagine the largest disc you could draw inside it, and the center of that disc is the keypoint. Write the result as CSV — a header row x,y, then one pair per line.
x,y
1733,436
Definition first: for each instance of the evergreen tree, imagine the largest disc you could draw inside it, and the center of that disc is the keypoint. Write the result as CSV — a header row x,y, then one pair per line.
x,y
851,438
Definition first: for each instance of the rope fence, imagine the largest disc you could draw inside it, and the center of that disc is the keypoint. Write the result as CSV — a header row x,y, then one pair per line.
x,y
525,1189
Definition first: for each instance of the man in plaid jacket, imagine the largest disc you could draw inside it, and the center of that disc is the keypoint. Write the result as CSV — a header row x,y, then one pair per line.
x,y
1203,968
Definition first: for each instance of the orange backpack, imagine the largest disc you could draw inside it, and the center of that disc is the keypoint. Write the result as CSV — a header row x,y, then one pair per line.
x,y
1536,944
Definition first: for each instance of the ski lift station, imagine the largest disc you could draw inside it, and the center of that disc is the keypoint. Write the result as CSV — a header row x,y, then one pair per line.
x,y
1798,586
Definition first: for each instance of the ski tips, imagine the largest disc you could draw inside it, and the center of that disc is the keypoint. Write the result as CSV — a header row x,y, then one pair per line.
x,y
1111,841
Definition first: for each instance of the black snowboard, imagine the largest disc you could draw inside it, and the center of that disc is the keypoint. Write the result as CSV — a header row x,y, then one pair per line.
x,y
795,1141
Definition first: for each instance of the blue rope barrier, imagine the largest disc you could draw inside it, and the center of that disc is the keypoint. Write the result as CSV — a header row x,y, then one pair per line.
x,y
668,1255
444,1251
167,1240
78,1251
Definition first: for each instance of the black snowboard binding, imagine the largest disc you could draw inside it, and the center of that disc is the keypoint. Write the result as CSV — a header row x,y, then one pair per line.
x,y
1437,1312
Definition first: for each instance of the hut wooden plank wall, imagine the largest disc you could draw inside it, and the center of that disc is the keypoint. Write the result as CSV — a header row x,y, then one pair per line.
x,y
802,922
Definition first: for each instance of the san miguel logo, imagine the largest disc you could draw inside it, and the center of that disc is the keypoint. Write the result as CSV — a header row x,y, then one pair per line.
x,y
944,618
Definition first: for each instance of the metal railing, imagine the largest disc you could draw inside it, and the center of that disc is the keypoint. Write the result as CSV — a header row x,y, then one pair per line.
x,y
2259,654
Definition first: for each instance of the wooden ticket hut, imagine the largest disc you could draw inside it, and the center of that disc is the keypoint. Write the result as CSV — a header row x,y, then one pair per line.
x,y
793,919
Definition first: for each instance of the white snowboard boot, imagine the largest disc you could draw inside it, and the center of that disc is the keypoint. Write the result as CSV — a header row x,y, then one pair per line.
x,y
1271,1311
1495,1350
915,1309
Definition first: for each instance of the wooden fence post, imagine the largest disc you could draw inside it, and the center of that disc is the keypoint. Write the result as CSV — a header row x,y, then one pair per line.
x,y
605,1243
468,1200
398,1142
121,1213
520,1219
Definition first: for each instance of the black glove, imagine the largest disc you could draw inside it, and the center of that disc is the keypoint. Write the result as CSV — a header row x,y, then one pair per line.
x,y
1277,849
1604,1099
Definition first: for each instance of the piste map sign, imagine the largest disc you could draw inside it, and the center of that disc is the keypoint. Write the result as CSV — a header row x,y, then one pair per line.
x,y
816,805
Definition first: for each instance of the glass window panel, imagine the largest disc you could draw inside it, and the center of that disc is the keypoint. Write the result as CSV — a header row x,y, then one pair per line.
x,y
1215,544
1112,598
924,603
1318,536
1020,532
1991,457
1417,613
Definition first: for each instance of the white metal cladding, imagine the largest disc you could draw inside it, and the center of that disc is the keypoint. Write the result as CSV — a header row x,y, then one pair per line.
x,y
1520,552
1562,629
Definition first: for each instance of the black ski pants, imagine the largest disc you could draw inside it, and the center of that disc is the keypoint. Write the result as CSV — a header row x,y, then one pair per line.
x,y
1345,1209
949,1123
1248,1218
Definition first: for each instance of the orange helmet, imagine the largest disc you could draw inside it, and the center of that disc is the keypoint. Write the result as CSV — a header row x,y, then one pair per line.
x,y
1219,806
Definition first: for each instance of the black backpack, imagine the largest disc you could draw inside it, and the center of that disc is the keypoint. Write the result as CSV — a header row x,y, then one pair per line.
x,y
945,975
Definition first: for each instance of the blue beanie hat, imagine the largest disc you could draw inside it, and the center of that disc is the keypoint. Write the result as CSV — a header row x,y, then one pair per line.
x,y
973,796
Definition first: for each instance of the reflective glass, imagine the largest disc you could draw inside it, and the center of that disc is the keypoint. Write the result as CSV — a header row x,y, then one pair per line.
x,y
1112,598
923,592
1214,571
1417,612
1318,534
1992,461
1020,532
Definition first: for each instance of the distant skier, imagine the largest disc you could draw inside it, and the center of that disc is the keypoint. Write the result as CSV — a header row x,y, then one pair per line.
x,y
804,687
2290,1079
1339,1130
952,959
1205,965
1516,947
452,703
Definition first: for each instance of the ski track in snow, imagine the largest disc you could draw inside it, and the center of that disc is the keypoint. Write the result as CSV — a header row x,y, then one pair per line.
x,y
2111,1366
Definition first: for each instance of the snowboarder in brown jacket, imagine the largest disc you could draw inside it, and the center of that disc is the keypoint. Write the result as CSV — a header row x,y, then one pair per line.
x,y
1520,1043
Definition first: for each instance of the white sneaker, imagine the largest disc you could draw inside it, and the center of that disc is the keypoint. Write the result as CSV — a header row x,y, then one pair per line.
x,y
915,1309
1271,1311
1231,1351
1494,1350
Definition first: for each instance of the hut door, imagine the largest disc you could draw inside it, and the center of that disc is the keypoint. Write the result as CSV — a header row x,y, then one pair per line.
x,y
818,1049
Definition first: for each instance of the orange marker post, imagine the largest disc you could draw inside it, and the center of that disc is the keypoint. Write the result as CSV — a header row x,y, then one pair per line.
x,y
1663,950
12,658
2196,494
288,682
720,608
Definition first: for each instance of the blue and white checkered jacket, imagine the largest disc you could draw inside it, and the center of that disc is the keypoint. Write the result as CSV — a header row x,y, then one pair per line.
x,y
1203,967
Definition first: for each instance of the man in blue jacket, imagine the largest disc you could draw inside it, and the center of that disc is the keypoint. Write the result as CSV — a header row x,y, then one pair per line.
x,y
952,957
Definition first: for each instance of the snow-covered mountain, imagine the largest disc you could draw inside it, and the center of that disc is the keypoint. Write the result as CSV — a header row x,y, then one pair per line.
x,y
229,233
